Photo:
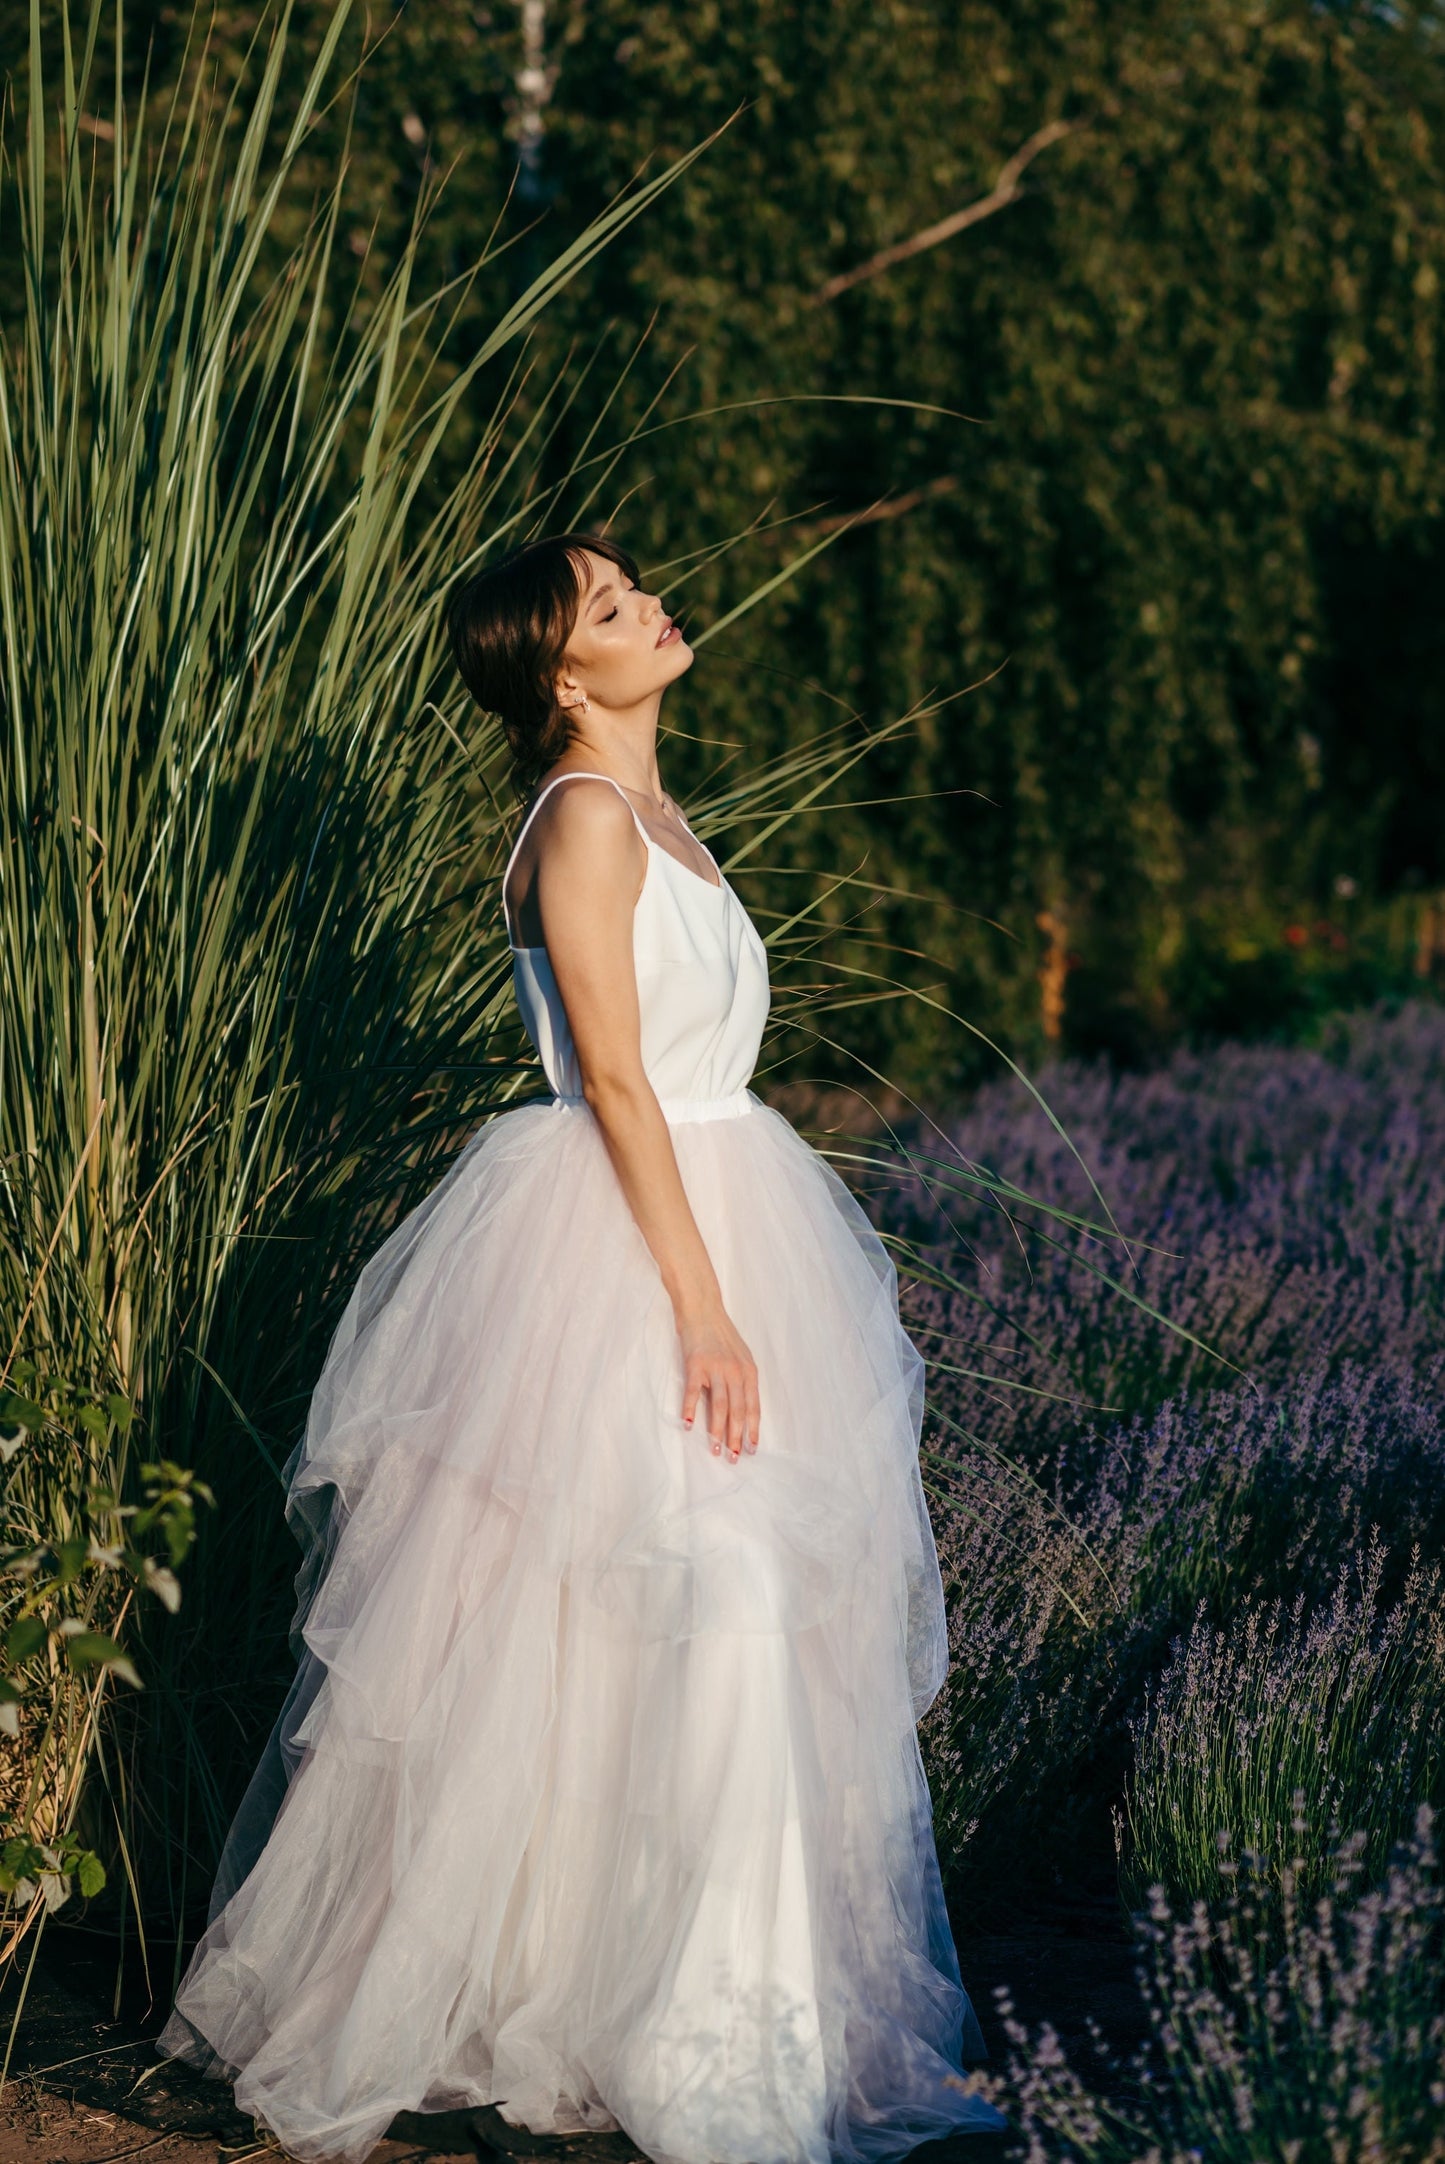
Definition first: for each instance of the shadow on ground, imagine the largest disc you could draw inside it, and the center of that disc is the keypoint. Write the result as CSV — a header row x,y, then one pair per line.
x,y
85,2086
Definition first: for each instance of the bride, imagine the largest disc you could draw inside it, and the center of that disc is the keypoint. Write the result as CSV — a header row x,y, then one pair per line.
x,y
597,1796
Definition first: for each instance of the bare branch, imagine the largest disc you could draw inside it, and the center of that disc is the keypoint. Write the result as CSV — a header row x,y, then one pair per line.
x,y
1004,191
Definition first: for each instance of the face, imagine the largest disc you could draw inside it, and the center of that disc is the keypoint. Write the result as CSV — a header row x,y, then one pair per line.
x,y
623,646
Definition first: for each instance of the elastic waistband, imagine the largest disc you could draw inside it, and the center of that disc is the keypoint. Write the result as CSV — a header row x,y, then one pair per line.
x,y
679,1111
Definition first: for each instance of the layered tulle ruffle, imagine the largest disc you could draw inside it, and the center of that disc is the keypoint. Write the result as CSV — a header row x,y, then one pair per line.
x,y
598,1793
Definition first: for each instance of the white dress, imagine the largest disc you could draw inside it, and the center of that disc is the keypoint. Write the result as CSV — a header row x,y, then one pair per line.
x,y
598,1795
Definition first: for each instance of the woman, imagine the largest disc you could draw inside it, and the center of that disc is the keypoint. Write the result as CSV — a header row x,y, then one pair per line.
x,y
598,1796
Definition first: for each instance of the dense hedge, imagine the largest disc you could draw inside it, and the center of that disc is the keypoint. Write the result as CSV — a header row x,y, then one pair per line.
x,y
1192,536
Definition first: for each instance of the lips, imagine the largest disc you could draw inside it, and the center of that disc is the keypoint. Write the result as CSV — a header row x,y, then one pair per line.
x,y
667,636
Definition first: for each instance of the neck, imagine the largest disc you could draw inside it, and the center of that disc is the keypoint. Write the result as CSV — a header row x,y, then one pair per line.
x,y
622,743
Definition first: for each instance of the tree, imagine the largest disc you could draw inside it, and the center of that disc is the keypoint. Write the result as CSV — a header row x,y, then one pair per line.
x,y
1200,350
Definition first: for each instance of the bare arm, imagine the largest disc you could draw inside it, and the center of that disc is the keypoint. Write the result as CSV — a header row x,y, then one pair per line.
x,y
589,870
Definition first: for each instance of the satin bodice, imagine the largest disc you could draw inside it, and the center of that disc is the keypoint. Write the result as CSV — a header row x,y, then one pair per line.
x,y
702,985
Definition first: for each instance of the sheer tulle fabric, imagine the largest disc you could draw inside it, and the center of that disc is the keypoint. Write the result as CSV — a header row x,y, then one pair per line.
x,y
598,1795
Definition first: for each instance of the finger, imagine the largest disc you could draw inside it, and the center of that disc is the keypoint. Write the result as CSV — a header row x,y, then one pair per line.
x,y
692,1389
754,1405
717,1417
737,1417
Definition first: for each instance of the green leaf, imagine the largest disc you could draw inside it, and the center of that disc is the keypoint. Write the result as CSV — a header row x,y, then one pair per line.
x,y
180,1532
26,1635
71,1557
89,1873
55,1888
93,1648
17,1855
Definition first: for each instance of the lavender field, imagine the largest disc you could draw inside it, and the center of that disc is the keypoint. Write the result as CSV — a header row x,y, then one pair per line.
x,y
1198,1633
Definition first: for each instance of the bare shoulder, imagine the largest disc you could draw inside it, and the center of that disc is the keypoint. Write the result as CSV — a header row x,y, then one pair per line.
x,y
588,828
585,814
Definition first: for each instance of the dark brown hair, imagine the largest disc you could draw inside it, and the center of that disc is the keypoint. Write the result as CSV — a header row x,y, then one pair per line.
x,y
509,624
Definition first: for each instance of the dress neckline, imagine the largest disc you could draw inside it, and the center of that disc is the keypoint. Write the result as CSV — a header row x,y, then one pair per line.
x,y
654,848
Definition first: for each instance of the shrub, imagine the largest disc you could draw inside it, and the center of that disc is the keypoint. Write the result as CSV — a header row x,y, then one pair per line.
x,y
1344,1705
1064,1601
1288,1209
1301,2033
73,1557
1310,1184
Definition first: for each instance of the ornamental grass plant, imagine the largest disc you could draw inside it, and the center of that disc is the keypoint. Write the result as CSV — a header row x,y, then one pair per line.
x,y
255,991
251,1000
241,1006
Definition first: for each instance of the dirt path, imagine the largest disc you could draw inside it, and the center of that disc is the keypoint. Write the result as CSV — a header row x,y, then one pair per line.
x,y
85,2086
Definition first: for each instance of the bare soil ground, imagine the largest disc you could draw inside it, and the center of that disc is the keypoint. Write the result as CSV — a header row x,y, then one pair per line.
x,y
85,2085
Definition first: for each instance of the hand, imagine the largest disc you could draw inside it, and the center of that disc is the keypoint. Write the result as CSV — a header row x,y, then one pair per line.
x,y
715,1359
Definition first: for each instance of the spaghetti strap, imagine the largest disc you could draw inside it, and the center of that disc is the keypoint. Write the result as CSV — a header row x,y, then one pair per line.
x,y
578,773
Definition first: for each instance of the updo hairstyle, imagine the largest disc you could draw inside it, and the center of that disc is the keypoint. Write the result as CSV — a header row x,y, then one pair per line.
x,y
509,625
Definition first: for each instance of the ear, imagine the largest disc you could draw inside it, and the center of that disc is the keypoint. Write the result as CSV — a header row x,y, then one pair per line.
x,y
569,694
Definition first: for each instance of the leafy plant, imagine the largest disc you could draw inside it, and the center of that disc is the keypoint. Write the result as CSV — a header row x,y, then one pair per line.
x,y
73,1559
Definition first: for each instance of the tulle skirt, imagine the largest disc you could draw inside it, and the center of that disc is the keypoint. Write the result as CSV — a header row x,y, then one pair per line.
x,y
598,1794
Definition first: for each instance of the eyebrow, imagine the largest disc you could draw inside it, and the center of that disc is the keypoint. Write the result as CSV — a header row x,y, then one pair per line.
x,y
600,593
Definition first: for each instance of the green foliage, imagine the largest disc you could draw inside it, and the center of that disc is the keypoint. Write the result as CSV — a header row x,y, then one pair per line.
x,y
48,1870
72,1557
1264,973
1190,542
249,1000
238,980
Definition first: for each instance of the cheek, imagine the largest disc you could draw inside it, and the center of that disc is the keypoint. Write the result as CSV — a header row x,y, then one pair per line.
x,y
623,665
